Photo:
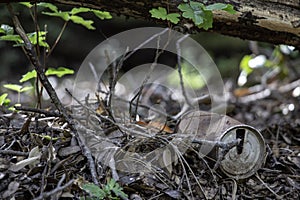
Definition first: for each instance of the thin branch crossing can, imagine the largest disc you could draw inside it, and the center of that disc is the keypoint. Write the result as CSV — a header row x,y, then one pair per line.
x,y
241,161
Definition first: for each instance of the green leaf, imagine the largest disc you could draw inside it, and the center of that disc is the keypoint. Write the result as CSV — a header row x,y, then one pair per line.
x,y
24,89
64,15
48,137
207,17
32,37
27,4
173,17
86,23
221,6
6,29
42,37
190,76
187,11
198,13
12,108
202,15
59,72
196,6
3,98
28,76
160,13
13,87
115,187
198,19
244,64
193,11
6,102
230,9
111,184
102,14
216,6
50,6
94,190
75,11
13,38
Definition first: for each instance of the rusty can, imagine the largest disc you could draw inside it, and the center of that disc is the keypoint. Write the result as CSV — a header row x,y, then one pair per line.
x,y
243,160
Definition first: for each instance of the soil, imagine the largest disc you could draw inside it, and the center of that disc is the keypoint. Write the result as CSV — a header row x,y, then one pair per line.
x,y
41,157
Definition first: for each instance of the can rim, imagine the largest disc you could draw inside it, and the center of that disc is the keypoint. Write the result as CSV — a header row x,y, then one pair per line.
x,y
262,152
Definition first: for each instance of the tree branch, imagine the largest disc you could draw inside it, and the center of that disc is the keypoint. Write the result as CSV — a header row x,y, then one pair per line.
x,y
273,21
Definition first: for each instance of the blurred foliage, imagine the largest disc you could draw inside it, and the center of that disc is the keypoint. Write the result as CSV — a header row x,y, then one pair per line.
x,y
190,74
225,51
4,100
268,63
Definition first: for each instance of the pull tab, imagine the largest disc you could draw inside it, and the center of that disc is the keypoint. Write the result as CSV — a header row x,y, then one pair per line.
x,y
240,134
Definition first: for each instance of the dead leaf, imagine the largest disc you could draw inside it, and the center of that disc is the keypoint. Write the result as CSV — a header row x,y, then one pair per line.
x,y
173,193
66,151
23,163
35,152
12,188
240,92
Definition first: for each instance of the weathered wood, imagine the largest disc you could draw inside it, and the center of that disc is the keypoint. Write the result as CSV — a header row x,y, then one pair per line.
x,y
273,21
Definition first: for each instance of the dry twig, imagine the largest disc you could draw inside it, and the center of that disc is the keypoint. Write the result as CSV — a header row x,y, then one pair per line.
x,y
30,52
14,153
58,188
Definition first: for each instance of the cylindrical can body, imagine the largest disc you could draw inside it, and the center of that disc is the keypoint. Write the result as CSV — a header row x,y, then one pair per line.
x,y
242,160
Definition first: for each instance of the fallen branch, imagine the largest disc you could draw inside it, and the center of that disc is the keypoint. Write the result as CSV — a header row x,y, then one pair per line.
x,y
30,52
13,153
39,111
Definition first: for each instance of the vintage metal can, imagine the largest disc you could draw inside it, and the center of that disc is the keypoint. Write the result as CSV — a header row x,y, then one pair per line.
x,y
241,161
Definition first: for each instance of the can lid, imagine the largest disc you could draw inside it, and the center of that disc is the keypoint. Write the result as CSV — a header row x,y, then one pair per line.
x,y
245,159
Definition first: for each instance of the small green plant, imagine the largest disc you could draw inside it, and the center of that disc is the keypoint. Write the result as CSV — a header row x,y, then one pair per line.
x,y
200,14
18,88
9,35
4,101
39,39
59,72
111,190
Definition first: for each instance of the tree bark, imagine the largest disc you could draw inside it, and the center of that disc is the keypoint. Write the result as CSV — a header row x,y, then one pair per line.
x,y
273,21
